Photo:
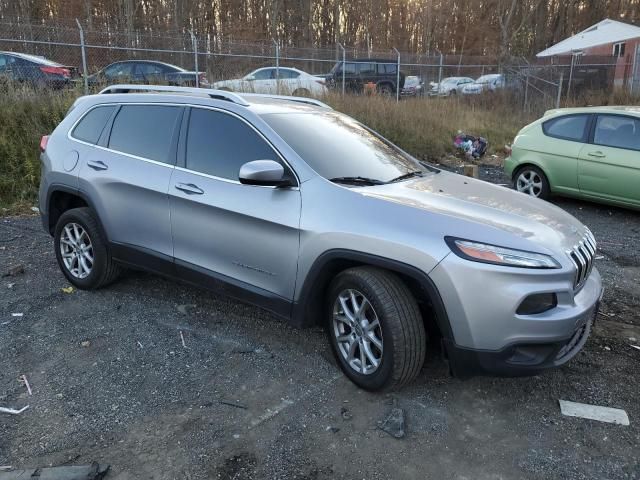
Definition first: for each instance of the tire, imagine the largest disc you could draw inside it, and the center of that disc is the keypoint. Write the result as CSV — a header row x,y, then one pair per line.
x,y
85,275
399,330
301,92
384,89
532,181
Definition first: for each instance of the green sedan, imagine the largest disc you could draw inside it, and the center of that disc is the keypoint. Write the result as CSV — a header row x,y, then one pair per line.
x,y
591,153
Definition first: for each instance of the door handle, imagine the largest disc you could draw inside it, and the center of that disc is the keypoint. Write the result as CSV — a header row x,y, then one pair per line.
x,y
97,165
596,154
189,188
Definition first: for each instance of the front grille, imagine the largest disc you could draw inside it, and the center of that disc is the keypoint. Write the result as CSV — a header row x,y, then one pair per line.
x,y
582,256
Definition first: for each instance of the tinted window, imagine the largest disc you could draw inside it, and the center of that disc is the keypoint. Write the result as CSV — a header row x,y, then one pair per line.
x,y
388,68
90,127
284,73
349,68
264,74
617,131
568,128
219,144
118,70
149,69
335,145
145,131
367,68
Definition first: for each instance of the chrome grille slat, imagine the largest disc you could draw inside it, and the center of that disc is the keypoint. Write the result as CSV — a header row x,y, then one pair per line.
x,y
582,256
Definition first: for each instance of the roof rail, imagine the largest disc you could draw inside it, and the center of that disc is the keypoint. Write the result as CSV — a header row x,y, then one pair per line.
x,y
308,101
211,93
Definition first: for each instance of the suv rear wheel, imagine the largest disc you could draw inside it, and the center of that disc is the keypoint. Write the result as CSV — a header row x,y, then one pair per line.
x,y
375,328
385,89
81,250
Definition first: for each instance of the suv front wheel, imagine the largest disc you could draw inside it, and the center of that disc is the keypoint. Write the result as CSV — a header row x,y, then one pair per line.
x,y
375,328
81,250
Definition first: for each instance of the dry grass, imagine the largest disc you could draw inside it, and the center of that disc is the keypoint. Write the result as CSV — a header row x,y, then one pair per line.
x,y
425,127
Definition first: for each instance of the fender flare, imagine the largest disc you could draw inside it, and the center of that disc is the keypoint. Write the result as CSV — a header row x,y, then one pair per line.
x,y
309,303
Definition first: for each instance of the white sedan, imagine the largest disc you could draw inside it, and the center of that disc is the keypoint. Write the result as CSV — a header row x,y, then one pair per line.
x,y
272,80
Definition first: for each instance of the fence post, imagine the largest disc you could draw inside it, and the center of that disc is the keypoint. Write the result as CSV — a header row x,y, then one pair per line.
x,y
85,74
526,92
277,65
440,69
194,43
344,66
397,75
573,56
559,90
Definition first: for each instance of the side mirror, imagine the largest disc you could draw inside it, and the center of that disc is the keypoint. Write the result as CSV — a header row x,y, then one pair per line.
x,y
263,172
249,78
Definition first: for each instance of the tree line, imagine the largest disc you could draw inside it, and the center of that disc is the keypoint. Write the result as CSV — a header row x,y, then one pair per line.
x,y
461,27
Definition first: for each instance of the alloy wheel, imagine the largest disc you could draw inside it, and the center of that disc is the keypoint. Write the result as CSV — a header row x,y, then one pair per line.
x,y
529,182
77,250
357,331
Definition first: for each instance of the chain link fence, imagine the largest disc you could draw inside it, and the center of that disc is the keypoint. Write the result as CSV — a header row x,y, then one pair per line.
x,y
80,55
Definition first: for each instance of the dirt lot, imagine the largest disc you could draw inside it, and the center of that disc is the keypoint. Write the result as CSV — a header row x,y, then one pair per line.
x,y
250,397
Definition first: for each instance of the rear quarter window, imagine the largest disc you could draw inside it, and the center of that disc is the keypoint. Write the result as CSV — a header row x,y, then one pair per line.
x,y
90,127
568,127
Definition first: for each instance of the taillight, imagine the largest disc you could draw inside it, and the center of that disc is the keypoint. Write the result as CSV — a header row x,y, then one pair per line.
x,y
43,142
56,71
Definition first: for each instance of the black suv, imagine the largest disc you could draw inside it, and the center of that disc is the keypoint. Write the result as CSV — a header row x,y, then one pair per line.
x,y
383,73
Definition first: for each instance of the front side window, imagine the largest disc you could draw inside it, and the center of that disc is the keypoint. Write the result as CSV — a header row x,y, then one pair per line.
x,y
92,124
118,70
617,131
286,74
145,131
388,68
149,69
219,144
337,146
571,127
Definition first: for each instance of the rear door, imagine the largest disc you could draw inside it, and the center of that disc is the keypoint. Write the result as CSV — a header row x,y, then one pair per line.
x,y
264,81
245,235
609,165
127,177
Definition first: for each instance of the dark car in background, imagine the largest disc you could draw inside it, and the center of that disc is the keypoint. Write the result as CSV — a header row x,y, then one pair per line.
x,y
381,74
148,72
413,86
34,70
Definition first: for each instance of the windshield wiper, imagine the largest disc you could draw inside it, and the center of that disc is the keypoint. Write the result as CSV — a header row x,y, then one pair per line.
x,y
417,173
429,167
357,180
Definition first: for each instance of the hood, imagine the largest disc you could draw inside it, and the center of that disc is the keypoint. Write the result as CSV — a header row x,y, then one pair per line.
x,y
483,203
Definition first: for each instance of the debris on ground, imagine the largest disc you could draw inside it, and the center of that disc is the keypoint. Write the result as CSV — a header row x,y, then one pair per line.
x,y
35,209
67,290
182,339
26,384
84,472
471,146
183,308
345,413
332,429
635,346
12,411
14,271
139,344
233,404
394,424
594,412
85,343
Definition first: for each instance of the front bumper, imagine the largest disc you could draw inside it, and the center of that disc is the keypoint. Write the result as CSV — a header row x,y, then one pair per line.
x,y
489,337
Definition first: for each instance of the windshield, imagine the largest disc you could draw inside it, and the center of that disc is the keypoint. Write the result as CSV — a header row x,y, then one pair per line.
x,y
337,146
486,79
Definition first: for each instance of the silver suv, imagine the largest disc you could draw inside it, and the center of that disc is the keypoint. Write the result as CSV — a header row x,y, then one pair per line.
x,y
289,205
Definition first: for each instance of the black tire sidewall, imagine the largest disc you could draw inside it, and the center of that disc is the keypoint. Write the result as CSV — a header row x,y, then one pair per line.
x,y
383,375
84,218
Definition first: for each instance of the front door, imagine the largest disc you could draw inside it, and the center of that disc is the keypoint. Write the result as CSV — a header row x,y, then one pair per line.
x,y
609,166
243,235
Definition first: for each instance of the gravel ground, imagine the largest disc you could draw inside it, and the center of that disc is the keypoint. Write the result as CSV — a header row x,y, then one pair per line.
x,y
249,397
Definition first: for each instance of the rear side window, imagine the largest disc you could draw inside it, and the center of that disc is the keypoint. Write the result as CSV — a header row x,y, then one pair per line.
x,y
570,127
367,68
387,68
617,131
219,144
92,124
145,131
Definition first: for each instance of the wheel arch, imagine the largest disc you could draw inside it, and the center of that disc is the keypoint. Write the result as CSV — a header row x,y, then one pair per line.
x,y
309,305
530,163
61,198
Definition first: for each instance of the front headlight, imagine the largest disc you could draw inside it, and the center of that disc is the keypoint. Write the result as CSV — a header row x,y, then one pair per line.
x,y
484,253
